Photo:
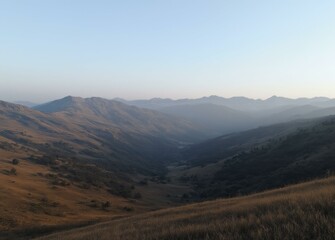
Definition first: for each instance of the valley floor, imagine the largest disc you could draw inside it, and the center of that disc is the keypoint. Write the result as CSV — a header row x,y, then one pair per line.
x,y
303,211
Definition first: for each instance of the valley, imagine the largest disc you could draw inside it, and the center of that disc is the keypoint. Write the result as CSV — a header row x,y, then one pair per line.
x,y
167,120
75,162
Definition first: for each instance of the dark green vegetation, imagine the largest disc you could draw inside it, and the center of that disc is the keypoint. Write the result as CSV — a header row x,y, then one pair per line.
x,y
265,158
220,148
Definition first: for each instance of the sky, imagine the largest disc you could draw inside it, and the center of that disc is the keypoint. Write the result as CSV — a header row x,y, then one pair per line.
x,y
172,49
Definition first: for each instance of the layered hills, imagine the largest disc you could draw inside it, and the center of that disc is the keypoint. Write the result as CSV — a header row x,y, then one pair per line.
x,y
221,115
76,160
97,129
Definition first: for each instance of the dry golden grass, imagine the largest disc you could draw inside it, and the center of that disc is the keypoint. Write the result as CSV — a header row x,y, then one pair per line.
x,y
304,211
29,199
31,205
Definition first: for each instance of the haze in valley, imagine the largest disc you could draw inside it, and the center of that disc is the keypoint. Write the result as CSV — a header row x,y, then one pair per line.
x,y
167,120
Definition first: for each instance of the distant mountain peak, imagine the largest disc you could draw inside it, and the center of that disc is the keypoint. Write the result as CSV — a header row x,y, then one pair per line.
x,y
214,97
60,104
71,98
275,98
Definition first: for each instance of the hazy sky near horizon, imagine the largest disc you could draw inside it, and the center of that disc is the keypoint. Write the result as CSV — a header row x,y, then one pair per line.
x,y
176,48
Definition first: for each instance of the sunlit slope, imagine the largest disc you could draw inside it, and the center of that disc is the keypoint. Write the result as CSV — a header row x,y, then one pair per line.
x,y
304,211
35,197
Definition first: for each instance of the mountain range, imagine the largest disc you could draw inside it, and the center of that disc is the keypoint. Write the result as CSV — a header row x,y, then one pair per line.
x,y
219,115
105,158
238,103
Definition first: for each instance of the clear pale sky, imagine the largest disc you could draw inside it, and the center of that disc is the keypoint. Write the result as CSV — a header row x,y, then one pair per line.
x,y
175,48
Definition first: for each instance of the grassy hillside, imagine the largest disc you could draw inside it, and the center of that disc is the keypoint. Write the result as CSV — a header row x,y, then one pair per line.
x,y
35,198
304,211
39,196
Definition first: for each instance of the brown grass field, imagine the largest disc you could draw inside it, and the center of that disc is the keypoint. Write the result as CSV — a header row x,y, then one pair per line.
x,y
303,211
31,205
29,202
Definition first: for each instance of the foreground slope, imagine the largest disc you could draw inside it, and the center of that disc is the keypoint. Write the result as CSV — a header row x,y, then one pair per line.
x,y
304,211
36,199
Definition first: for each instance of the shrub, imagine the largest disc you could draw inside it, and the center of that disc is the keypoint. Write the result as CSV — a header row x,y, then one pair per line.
x,y
15,161
13,171
128,209
137,195
143,182
106,205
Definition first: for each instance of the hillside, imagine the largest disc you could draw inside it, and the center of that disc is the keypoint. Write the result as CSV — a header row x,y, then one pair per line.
x,y
41,197
106,132
35,199
125,137
304,211
70,164
260,159
83,160
225,146
304,154
93,111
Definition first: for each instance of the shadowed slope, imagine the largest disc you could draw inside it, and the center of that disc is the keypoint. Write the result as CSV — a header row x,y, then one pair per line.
x,y
108,132
260,159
